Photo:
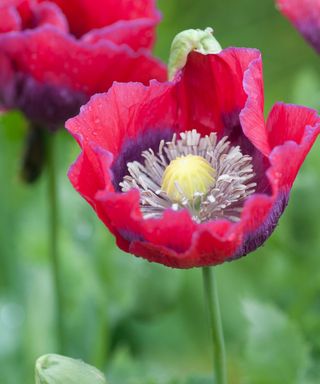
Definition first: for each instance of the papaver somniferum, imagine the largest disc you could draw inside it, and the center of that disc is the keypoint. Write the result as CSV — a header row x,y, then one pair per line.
x,y
55,54
305,16
187,173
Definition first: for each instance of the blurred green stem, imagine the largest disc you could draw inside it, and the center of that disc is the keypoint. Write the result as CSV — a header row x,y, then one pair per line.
x,y
53,238
215,324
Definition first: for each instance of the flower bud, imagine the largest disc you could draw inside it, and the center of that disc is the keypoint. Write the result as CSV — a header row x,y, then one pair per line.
x,y
188,41
57,369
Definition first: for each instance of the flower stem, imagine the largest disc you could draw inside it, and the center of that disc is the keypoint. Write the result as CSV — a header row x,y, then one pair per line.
x,y
215,324
53,238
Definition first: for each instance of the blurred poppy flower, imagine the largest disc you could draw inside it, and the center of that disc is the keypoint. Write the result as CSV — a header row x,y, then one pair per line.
x,y
187,173
305,16
55,54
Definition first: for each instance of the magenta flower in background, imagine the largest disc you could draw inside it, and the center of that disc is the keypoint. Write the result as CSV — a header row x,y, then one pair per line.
x,y
55,54
305,16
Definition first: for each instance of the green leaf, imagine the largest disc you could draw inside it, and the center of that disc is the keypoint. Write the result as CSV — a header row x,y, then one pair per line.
x,y
276,352
57,369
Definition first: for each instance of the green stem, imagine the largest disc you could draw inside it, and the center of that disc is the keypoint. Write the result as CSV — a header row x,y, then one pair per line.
x,y
53,239
215,323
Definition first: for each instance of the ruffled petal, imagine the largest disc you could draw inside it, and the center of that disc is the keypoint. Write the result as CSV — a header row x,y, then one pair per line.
x,y
215,96
286,159
100,13
94,163
287,122
305,16
252,115
9,19
22,10
137,34
16,15
55,73
224,93
48,13
50,56
292,131
128,119
271,210
126,112
207,248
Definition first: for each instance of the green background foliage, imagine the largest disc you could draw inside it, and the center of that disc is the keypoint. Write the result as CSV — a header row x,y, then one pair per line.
x,y
143,323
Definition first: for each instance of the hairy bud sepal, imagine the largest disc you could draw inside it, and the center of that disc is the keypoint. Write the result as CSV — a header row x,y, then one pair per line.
x,y
57,369
188,41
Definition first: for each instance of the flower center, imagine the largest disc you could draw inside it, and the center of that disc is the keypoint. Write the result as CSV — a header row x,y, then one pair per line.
x,y
188,177
208,177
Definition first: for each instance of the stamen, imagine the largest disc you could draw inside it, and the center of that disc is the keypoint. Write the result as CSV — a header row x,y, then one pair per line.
x,y
211,179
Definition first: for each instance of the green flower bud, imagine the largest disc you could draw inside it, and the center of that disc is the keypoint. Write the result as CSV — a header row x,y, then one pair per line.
x,y
188,41
56,369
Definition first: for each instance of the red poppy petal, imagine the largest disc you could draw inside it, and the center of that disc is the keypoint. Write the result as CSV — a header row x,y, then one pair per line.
x,y
287,159
49,13
301,126
224,92
100,13
288,122
262,216
9,19
120,212
16,15
137,34
207,249
305,16
174,240
53,57
22,8
159,232
251,116
125,113
85,176
13,3
215,96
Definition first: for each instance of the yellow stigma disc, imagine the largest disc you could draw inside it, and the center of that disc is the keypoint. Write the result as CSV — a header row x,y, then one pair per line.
x,y
187,175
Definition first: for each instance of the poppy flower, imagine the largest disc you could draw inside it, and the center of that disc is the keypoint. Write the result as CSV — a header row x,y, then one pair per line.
x,y
187,173
55,54
305,16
